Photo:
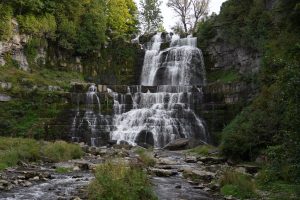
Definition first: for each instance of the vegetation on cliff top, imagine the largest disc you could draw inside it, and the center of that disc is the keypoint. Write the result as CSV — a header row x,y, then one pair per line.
x,y
81,26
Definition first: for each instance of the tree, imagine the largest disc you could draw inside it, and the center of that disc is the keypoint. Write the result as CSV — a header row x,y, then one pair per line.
x,y
200,8
91,34
119,17
151,15
189,11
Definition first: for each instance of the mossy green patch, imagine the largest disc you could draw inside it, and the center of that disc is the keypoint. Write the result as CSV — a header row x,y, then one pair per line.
x,y
223,76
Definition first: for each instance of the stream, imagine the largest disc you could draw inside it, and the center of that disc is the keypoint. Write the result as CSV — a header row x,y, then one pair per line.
x,y
43,182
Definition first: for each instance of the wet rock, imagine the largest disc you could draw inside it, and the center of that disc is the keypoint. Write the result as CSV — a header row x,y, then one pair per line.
x,y
178,186
76,168
166,161
29,175
191,159
36,178
240,170
162,172
212,160
178,144
112,142
251,169
199,174
26,184
84,164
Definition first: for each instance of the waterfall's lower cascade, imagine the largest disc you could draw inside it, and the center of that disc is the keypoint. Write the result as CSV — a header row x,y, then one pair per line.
x,y
159,110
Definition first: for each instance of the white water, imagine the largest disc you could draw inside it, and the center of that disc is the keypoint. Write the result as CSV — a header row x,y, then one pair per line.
x,y
165,113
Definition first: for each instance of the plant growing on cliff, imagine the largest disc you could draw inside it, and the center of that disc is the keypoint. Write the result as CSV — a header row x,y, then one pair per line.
x,y
5,22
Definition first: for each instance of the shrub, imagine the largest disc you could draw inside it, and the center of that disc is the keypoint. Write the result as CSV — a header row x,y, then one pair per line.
x,y
5,22
146,157
38,25
120,181
13,150
237,185
62,151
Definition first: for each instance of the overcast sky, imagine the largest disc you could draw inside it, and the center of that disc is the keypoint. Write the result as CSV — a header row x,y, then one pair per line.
x,y
169,17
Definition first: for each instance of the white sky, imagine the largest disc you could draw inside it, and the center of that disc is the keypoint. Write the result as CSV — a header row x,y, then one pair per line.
x,y
170,18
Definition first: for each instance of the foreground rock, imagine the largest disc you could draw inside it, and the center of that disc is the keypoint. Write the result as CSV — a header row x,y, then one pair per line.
x,y
179,144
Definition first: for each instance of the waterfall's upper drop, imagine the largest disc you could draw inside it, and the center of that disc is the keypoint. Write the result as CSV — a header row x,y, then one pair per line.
x,y
180,64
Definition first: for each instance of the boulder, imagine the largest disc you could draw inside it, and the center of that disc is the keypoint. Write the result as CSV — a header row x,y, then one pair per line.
x,y
178,144
198,174
191,159
4,98
247,168
162,172
211,160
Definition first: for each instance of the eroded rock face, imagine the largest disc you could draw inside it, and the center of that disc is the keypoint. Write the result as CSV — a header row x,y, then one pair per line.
x,y
15,48
226,56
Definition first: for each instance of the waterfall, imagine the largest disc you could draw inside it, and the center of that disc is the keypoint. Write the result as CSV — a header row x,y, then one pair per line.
x,y
156,112
165,114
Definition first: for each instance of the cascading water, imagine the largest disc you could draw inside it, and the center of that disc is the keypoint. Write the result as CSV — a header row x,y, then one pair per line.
x,y
89,124
158,117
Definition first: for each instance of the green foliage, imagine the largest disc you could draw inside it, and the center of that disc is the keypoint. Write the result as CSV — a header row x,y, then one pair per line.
x,y
38,25
237,184
119,17
63,170
224,76
13,150
120,181
151,15
269,125
205,31
203,150
67,32
29,110
146,157
81,26
5,22
62,151
92,32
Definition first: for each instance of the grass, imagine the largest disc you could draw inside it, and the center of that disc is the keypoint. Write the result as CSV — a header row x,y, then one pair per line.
x,y
222,76
62,151
15,150
120,181
276,186
202,150
146,157
238,185
38,76
62,170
